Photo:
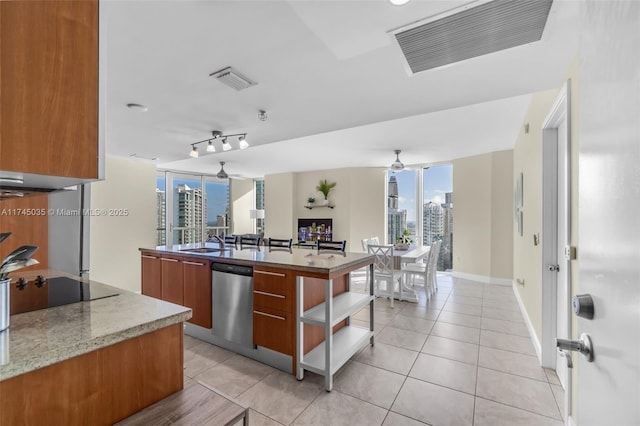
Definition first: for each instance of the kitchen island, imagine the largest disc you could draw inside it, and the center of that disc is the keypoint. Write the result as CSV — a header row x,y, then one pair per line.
x,y
93,362
298,304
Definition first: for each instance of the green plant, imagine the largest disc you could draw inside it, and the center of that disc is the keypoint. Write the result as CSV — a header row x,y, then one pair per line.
x,y
325,187
311,200
405,238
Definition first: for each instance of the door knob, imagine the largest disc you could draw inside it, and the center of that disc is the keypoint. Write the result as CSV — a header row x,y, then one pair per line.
x,y
582,345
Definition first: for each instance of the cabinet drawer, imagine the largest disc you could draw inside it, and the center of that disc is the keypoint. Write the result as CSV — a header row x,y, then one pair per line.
x,y
274,281
273,329
265,299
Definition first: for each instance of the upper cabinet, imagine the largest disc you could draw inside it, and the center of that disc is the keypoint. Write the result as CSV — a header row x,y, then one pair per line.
x,y
49,88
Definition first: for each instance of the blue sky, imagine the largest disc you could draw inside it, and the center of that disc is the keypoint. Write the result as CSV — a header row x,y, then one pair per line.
x,y
216,195
438,180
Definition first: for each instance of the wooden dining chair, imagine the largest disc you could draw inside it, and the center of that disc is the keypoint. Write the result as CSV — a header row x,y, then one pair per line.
x,y
383,270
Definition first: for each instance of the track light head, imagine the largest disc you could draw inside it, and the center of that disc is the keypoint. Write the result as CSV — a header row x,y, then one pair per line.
x,y
194,152
211,147
243,142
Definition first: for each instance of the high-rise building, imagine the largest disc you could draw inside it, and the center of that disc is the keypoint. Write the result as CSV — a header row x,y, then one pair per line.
x,y
396,224
432,223
445,261
161,209
188,208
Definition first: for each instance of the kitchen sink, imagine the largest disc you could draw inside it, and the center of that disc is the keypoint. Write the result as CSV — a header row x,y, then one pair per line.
x,y
204,250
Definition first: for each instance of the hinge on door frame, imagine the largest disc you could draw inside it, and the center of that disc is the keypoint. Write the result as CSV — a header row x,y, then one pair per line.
x,y
553,268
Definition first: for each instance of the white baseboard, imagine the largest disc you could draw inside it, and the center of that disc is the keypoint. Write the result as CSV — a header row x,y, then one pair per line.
x,y
527,320
571,421
482,278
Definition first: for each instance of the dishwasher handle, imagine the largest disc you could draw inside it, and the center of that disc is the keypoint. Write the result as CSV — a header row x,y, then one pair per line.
x,y
232,269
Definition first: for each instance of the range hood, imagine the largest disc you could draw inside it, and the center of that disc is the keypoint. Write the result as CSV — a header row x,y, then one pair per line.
x,y
17,185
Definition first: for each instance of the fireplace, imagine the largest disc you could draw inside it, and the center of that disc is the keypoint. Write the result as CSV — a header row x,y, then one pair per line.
x,y
310,230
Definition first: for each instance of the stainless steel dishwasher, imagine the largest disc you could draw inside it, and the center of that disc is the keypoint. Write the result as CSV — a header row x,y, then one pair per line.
x,y
232,293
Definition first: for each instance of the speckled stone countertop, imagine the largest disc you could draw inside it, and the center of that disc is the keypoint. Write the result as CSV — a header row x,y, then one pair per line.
x,y
299,259
40,338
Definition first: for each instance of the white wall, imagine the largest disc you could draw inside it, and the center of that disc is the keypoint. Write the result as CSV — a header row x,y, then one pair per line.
x,y
114,240
242,200
483,218
359,199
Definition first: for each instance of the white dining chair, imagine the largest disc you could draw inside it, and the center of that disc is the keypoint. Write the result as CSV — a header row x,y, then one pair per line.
x,y
426,271
374,240
383,270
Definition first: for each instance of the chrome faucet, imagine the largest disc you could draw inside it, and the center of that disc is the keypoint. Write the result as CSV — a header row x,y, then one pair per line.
x,y
218,239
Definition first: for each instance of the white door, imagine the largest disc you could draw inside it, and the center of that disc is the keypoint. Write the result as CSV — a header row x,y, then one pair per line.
x,y
562,278
608,390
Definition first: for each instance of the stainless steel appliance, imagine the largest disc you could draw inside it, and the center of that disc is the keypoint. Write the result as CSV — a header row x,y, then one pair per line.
x,y
232,288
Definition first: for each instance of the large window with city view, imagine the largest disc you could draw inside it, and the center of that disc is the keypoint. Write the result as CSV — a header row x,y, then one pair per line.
x,y
191,208
422,216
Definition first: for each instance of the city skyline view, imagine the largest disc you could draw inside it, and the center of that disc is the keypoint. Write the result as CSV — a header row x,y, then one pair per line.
x,y
216,195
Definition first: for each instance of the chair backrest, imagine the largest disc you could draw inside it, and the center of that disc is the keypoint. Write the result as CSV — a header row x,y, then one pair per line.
x,y
432,262
279,242
331,245
231,239
374,241
249,241
383,263
365,243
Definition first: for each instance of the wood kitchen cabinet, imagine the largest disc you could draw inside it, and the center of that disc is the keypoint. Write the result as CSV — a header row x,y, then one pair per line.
x,y
197,290
274,309
49,87
181,280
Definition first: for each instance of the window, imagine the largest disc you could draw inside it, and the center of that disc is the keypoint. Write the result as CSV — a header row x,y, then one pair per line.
x,y
190,208
259,191
437,211
401,205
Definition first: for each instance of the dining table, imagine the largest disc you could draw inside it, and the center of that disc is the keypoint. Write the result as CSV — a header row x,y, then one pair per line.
x,y
412,254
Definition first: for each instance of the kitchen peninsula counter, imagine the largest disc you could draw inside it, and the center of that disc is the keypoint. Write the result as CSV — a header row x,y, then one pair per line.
x,y
305,261
91,362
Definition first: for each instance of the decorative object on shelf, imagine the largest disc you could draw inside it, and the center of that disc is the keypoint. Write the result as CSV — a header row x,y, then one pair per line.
x,y
226,146
310,201
397,165
325,187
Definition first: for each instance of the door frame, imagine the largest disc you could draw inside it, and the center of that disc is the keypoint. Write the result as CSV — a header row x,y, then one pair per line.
x,y
560,110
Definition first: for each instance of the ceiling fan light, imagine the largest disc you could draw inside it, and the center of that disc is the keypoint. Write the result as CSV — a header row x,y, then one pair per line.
x,y
211,147
243,142
194,152
397,165
222,174
226,146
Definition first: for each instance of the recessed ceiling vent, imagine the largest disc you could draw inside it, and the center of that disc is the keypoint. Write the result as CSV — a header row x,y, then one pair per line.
x,y
232,78
476,29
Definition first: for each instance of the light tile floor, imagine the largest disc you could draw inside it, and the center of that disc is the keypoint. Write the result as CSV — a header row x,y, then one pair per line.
x,y
463,358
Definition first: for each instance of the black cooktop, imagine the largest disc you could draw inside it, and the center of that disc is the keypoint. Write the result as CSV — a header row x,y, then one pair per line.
x,y
55,291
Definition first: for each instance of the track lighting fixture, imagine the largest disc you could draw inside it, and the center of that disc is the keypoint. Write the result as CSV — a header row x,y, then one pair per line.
x,y
397,165
226,146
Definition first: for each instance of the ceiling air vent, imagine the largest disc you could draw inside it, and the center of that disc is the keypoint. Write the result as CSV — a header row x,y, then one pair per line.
x,y
232,78
476,29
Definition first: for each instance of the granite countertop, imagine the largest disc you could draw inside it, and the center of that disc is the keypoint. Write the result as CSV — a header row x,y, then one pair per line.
x,y
40,338
300,259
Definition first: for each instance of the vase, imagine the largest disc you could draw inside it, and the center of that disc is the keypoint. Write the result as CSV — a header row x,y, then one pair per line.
x,y
325,202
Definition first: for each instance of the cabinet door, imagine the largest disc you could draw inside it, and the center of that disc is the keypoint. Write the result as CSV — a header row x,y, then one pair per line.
x,y
49,86
273,329
172,280
197,290
151,275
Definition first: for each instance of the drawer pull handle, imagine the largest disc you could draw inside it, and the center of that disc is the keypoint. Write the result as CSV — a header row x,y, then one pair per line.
x,y
264,293
192,263
148,257
277,274
168,260
270,316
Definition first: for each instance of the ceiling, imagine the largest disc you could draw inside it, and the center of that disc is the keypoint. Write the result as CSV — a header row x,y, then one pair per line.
x,y
331,79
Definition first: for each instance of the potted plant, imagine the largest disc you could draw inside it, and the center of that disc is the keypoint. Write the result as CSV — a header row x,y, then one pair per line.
x,y
310,201
404,240
325,187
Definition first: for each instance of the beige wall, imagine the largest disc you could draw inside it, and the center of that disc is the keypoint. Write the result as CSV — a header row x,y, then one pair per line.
x,y
483,205
114,240
242,200
359,199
